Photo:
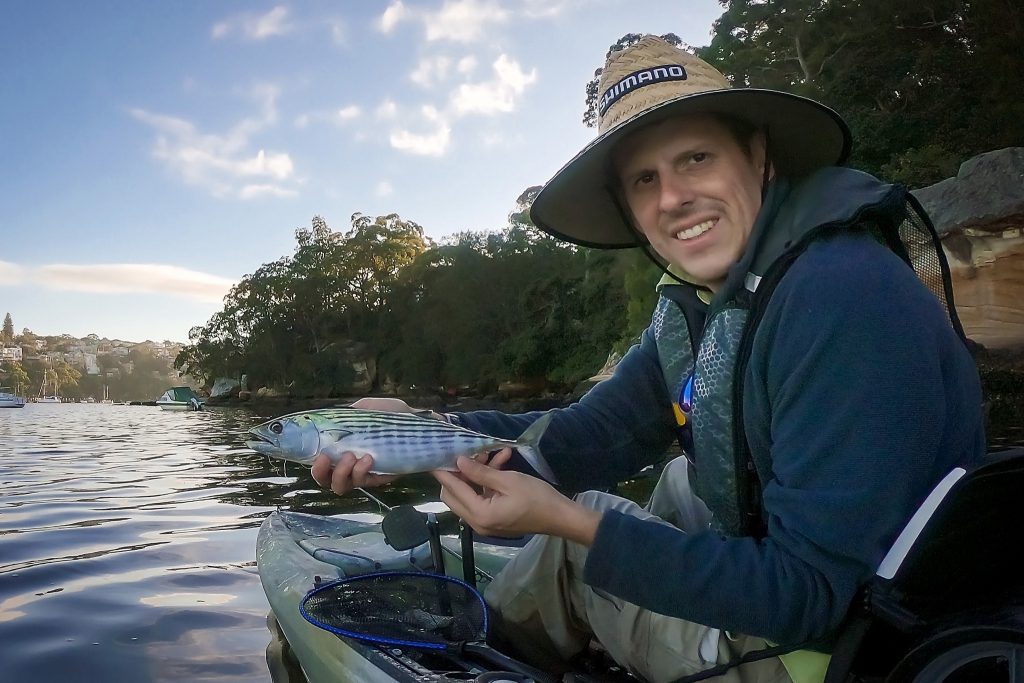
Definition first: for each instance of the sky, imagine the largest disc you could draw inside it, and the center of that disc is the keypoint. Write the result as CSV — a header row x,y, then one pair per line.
x,y
152,154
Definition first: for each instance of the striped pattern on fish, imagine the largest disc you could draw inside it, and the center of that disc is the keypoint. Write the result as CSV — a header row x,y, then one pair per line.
x,y
400,443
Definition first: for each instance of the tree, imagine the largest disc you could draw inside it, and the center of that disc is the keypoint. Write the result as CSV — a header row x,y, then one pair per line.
x,y
65,375
12,374
8,333
923,86
590,106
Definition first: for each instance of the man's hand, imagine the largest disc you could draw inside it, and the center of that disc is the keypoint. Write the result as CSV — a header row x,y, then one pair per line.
x,y
513,504
352,472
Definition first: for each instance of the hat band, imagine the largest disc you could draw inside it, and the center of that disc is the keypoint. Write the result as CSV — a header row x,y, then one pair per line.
x,y
639,79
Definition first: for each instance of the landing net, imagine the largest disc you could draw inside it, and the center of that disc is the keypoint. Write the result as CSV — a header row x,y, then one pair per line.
x,y
410,609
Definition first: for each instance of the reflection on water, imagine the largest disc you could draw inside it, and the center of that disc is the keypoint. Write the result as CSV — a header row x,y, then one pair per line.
x,y
127,539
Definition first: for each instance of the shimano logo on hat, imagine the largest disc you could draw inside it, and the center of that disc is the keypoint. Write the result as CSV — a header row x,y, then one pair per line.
x,y
638,79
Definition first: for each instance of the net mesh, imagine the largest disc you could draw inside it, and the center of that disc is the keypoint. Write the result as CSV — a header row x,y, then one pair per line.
x,y
403,608
923,250
915,240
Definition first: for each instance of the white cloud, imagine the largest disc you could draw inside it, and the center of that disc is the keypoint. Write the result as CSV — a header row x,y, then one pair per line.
x,y
466,65
221,164
501,140
434,143
339,31
383,189
460,21
463,21
535,9
348,113
120,278
254,191
11,273
395,13
496,95
431,70
339,116
387,110
255,26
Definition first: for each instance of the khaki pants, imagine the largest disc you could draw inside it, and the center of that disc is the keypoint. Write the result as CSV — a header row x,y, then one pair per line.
x,y
541,604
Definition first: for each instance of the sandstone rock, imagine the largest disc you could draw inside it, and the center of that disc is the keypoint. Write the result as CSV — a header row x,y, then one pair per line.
x,y
224,387
522,388
604,373
980,214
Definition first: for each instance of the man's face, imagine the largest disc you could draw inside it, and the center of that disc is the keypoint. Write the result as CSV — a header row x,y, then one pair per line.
x,y
693,191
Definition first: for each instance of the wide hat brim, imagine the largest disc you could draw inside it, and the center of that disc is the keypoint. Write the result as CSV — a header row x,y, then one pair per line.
x,y
578,203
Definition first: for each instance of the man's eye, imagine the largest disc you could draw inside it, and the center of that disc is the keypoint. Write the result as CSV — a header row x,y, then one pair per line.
x,y
700,157
645,179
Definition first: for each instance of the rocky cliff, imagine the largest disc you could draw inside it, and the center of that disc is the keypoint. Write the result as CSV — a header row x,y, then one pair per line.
x,y
980,216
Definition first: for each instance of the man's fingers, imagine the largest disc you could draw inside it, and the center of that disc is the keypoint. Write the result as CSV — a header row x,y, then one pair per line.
x,y
361,470
498,460
478,473
341,479
455,493
321,470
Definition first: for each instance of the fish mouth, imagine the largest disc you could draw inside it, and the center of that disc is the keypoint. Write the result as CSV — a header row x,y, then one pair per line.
x,y
261,444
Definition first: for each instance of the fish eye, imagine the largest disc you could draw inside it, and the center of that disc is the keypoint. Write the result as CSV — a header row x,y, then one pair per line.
x,y
276,427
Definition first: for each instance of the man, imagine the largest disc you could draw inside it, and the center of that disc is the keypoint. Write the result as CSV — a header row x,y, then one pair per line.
x,y
819,389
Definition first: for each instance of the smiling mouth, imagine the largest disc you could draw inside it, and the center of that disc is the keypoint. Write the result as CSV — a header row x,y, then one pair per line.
x,y
697,230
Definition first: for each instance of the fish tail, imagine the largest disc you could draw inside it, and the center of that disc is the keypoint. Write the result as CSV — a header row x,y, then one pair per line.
x,y
528,446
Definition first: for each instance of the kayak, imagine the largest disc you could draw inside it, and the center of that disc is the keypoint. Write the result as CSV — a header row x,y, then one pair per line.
x,y
947,603
296,552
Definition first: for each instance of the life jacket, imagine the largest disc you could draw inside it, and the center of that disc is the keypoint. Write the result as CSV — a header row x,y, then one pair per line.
x,y
708,345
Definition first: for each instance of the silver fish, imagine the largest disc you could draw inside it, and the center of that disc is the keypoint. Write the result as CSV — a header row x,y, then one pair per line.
x,y
400,443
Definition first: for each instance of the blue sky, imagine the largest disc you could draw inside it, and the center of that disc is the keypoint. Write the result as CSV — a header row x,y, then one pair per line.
x,y
151,154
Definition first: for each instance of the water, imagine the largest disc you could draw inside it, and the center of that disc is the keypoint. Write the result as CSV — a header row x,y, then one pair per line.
x,y
127,542
127,539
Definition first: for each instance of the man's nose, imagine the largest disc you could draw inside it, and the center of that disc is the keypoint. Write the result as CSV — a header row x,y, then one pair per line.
x,y
675,193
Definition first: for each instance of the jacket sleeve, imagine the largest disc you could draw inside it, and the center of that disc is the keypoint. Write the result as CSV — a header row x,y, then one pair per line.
x,y
863,398
621,425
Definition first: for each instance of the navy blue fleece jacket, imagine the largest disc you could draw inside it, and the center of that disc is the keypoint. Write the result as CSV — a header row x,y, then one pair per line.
x,y
862,397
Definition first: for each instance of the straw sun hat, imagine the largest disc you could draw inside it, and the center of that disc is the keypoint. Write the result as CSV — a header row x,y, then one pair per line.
x,y
649,82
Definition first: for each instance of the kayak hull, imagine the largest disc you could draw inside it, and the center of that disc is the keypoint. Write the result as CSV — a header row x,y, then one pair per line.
x,y
297,551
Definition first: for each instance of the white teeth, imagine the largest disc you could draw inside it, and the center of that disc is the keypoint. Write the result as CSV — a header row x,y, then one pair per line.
x,y
696,231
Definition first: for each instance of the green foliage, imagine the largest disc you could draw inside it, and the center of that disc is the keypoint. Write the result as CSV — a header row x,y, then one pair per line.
x,y
13,375
293,321
7,336
922,85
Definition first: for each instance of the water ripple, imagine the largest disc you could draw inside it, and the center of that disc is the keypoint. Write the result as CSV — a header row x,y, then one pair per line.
x,y
127,541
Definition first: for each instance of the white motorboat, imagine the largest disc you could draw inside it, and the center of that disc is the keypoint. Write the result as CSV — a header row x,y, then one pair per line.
x,y
180,398
10,400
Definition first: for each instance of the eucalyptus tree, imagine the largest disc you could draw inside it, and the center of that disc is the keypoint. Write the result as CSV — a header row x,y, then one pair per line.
x,y
923,85
13,375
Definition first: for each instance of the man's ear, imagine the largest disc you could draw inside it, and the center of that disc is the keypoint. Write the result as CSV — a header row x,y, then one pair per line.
x,y
759,153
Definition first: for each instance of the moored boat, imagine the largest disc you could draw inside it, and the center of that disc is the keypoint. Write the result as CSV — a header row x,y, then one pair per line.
x,y
180,398
10,400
